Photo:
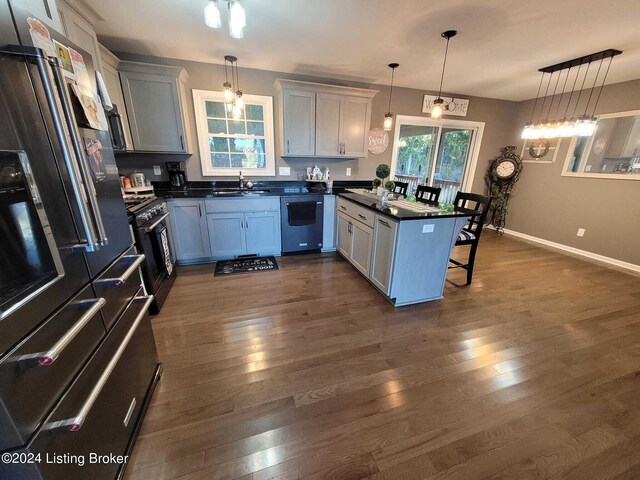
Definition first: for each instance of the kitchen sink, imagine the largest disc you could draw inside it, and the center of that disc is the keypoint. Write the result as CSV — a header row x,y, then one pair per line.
x,y
231,191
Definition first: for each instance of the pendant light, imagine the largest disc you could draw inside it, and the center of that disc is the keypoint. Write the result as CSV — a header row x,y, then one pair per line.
x,y
439,105
233,100
583,125
212,14
237,17
388,117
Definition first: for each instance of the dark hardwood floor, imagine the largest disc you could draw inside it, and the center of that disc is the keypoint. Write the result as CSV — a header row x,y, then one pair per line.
x,y
532,372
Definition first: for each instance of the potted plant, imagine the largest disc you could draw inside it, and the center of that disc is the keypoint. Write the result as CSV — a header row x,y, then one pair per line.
x,y
390,185
382,172
376,183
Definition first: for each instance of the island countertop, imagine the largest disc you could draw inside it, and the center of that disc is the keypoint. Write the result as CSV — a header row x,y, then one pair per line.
x,y
399,213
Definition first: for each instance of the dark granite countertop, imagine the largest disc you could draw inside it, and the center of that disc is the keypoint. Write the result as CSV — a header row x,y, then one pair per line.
x,y
397,213
260,189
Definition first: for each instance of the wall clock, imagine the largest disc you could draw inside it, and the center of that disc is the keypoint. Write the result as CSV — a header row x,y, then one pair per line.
x,y
378,140
502,176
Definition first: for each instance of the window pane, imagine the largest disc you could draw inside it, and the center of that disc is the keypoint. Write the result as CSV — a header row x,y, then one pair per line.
x,y
255,128
217,126
215,109
248,160
237,127
247,145
220,160
217,144
254,112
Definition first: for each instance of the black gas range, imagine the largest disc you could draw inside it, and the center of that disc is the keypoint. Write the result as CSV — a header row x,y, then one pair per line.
x,y
149,218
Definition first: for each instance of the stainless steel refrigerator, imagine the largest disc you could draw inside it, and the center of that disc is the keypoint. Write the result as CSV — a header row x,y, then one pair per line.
x,y
78,361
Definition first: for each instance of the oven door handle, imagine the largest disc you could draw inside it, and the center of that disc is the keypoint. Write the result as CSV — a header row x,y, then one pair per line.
x,y
75,423
119,281
156,223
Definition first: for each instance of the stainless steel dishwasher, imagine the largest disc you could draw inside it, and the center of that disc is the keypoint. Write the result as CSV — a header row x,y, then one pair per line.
x,y
301,223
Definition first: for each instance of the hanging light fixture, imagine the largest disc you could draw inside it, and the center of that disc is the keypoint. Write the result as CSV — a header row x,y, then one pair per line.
x,y
233,99
237,17
388,117
439,105
583,125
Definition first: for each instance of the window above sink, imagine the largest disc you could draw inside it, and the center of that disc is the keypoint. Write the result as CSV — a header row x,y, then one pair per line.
x,y
228,145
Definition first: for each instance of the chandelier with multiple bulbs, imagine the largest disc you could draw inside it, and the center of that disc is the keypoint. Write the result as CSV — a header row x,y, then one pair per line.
x,y
582,125
237,17
232,96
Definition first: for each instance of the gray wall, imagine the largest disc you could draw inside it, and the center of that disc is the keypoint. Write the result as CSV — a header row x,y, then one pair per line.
x,y
497,115
550,206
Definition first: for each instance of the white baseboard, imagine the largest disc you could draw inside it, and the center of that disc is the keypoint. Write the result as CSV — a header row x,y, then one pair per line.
x,y
631,267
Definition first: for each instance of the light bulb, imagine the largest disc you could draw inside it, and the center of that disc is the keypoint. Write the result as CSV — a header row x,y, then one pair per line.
x,y
388,121
212,14
437,110
527,132
228,92
236,111
237,20
239,100
585,126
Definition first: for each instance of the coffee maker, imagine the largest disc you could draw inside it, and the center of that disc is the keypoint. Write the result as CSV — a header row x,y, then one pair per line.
x,y
177,175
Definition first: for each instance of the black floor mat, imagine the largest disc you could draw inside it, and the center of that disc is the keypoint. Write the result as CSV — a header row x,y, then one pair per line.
x,y
245,265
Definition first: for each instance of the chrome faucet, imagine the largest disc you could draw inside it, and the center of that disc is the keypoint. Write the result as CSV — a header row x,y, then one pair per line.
x,y
241,180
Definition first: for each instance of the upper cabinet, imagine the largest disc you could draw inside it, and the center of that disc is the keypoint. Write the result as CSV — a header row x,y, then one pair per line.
x,y
154,96
110,64
45,11
318,120
77,21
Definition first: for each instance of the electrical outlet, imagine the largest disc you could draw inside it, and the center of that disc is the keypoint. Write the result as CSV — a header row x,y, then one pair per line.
x,y
349,172
284,171
157,170
581,232
428,228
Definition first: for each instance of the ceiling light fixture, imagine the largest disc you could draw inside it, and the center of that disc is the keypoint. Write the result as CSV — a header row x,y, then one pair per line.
x,y
388,117
584,125
212,14
233,100
237,17
439,105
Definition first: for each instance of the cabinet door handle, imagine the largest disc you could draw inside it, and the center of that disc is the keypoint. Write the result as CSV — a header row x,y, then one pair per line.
x,y
287,146
343,207
246,224
384,223
181,142
362,216
200,209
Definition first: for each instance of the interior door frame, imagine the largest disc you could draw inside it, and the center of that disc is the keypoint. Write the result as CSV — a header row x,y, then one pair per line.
x,y
474,150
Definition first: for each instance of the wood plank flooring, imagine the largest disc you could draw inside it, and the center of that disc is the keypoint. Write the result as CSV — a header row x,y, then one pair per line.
x,y
532,372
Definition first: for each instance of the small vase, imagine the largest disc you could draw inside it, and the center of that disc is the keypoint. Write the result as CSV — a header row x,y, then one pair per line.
x,y
380,191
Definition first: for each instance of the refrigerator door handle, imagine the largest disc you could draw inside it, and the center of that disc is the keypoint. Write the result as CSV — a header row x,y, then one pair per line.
x,y
81,160
136,261
62,132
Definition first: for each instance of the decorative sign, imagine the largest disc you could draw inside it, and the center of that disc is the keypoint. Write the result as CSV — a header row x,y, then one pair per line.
x,y
541,150
378,140
457,106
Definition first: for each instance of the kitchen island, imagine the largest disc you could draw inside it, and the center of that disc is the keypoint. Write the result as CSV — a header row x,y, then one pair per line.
x,y
402,249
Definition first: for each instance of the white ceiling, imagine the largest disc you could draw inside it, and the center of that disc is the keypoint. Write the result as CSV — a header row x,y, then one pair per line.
x,y
498,50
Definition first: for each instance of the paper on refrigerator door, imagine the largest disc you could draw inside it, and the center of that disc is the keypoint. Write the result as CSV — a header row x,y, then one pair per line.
x,y
104,93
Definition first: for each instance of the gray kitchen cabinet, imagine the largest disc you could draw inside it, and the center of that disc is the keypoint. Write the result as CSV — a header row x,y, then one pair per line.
x,y
299,124
111,77
328,125
227,234
344,242
154,97
262,232
189,230
382,256
79,30
362,242
244,226
339,128
44,10
329,224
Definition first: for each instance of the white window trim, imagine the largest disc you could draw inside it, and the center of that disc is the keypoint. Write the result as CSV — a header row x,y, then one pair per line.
x,y
199,99
470,172
607,176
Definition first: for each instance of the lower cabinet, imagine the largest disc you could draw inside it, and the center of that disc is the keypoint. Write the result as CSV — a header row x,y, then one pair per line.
x,y
355,241
262,232
227,234
189,230
384,242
